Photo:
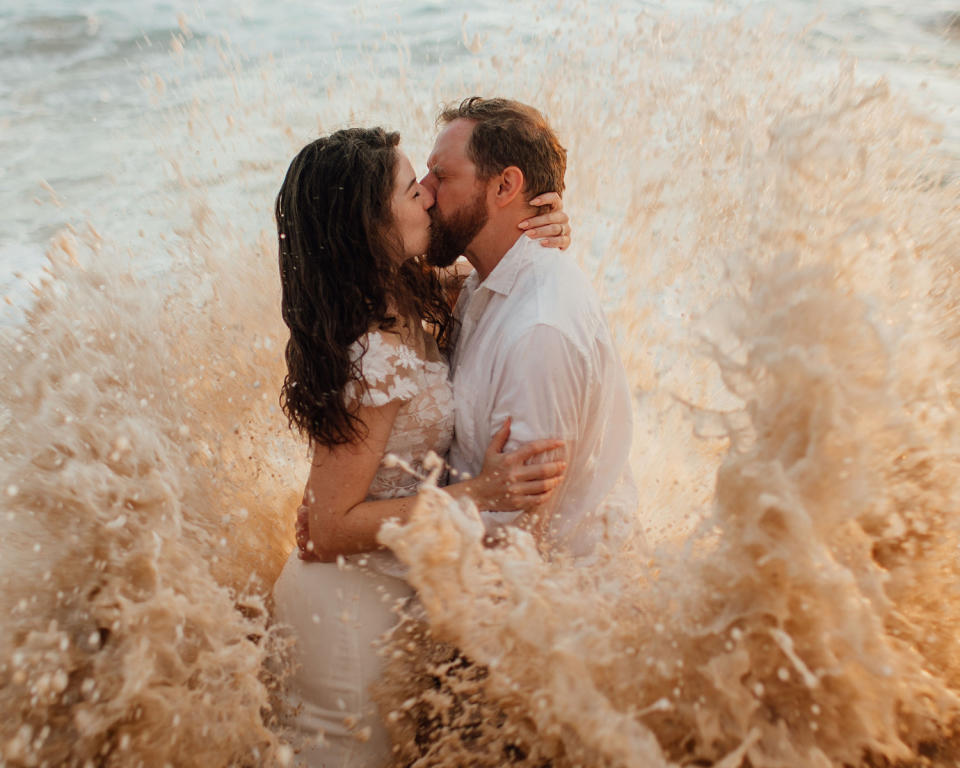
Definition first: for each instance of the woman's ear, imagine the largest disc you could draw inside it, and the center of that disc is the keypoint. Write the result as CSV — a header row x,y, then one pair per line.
x,y
510,184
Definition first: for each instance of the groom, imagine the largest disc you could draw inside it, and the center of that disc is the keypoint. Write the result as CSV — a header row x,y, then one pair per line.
x,y
533,343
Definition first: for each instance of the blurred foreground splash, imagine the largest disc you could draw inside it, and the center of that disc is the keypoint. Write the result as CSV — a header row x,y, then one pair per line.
x,y
776,244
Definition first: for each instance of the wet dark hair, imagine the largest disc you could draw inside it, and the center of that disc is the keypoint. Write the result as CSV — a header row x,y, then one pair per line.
x,y
341,276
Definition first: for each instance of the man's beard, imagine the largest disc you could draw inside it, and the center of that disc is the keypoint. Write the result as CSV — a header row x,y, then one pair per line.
x,y
450,237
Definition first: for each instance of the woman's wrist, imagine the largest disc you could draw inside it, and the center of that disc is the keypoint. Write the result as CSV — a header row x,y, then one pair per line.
x,y
466,489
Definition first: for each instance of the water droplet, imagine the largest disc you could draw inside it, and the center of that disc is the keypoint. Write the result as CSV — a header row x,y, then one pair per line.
x,y
284,755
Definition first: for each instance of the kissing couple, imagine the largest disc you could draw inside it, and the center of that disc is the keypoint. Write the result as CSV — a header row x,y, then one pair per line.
x,y
510,374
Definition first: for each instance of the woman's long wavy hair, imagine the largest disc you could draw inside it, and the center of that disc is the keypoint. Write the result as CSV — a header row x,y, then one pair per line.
x,y
342,274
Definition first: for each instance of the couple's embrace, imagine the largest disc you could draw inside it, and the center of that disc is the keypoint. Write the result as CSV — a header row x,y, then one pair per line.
x,y
518,386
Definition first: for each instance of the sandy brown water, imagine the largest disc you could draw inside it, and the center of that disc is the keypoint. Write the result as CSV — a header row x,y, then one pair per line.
x,y
775,239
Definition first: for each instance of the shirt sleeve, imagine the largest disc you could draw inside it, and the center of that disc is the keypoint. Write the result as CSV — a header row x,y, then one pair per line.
x,y
389,369
541,388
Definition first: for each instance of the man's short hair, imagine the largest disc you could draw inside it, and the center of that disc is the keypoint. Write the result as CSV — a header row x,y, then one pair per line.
x,y
510,133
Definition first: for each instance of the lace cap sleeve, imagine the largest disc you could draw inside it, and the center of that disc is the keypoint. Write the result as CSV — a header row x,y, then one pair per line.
x,y
389,369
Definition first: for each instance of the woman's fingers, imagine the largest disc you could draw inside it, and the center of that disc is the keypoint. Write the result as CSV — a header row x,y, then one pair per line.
x,y
526,495
499,440
525,503
552,229
550,234
534,448
547,231
555,219
556,242
535,487
302,533
540,471
548,198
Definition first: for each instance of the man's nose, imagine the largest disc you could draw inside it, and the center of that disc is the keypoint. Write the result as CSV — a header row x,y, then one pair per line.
x,y
428,197
429,182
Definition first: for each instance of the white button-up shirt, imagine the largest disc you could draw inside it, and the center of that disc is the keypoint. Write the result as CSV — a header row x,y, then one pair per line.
x,y
534,345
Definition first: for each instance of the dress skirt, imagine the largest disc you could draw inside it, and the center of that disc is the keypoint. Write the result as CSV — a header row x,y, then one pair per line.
x,y
336,614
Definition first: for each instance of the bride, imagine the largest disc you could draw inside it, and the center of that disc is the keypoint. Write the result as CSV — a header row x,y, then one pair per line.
x,y
366,376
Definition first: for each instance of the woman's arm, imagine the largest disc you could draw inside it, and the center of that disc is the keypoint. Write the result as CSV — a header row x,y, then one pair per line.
x,y
339,520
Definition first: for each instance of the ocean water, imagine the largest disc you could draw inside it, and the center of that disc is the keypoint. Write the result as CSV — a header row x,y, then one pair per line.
x,y
86,86
767,198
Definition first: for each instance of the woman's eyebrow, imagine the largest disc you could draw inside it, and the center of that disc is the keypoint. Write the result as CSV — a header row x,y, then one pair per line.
x,y
412,182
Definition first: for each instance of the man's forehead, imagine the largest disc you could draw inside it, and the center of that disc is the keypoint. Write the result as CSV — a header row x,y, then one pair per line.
x,y
451,143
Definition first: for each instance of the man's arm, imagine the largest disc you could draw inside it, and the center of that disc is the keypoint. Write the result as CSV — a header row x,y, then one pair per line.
x,y
541,388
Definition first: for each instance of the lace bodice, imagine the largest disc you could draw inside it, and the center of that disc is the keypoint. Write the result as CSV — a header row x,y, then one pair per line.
x,y
415,373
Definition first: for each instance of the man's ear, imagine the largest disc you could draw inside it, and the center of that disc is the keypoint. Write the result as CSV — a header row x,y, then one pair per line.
x,y
509,185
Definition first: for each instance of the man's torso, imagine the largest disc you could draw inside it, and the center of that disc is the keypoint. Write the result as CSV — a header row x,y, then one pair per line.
x,y
534,293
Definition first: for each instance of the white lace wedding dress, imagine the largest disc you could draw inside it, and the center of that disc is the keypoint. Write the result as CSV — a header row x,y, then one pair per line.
x,y
337,613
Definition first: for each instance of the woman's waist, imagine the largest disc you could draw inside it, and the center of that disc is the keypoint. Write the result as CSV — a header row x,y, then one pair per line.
x,y
371,569
402,478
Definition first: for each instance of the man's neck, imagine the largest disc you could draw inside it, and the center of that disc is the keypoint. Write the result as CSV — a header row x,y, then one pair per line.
x,y
489,247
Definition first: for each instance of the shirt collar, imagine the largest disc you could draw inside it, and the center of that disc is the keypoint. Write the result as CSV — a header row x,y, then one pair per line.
x,y
503,277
